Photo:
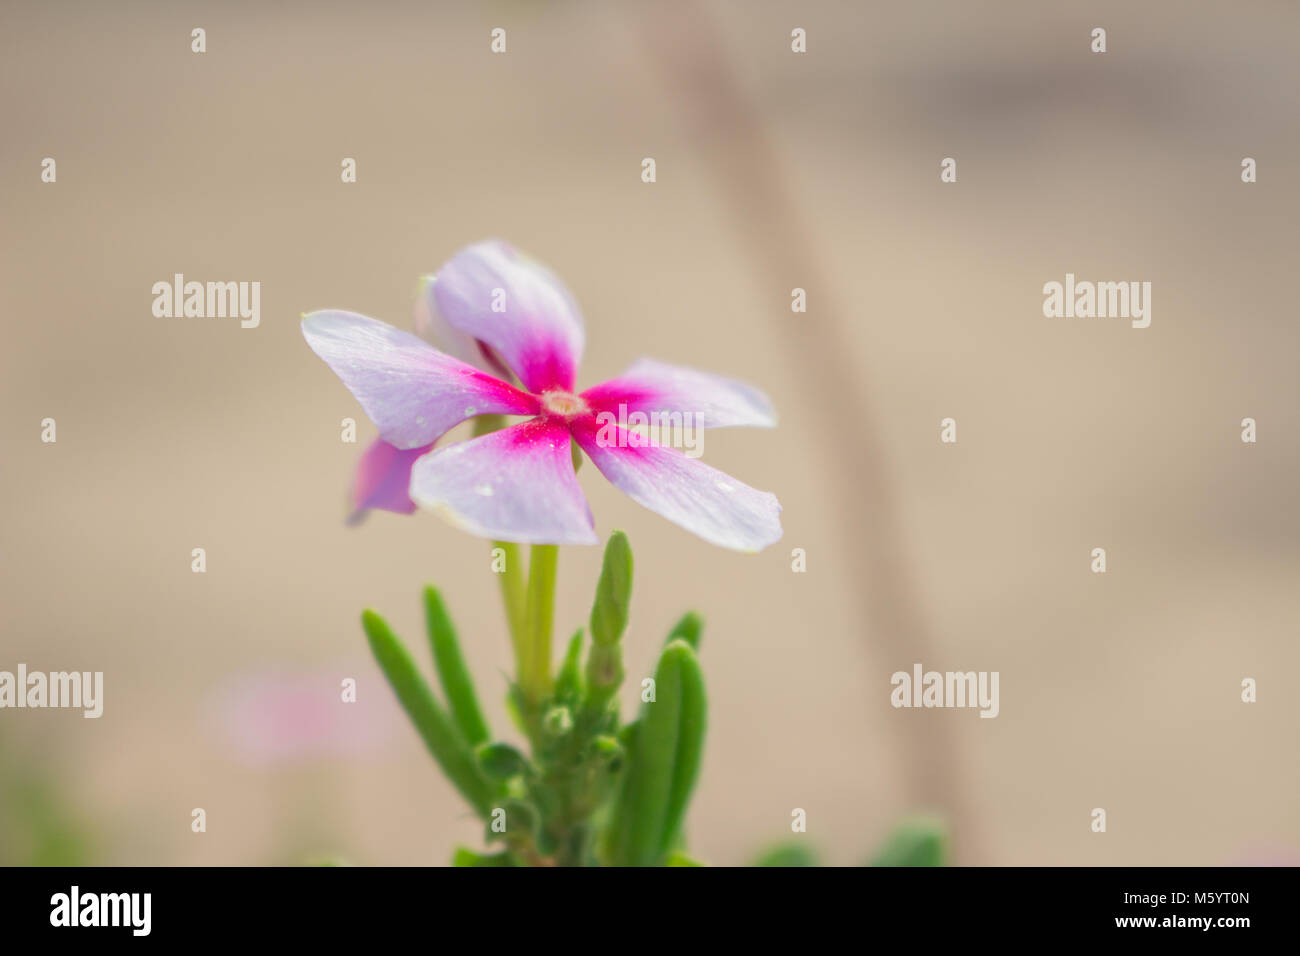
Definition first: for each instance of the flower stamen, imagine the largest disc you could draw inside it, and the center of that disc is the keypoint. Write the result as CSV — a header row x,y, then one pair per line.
x,y
565,405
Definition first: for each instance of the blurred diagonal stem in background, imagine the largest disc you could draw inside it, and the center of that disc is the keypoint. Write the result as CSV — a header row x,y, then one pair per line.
x,y
690,52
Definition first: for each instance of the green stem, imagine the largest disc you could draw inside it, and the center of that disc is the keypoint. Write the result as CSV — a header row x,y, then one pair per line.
x,y
535,670
512,574
513,597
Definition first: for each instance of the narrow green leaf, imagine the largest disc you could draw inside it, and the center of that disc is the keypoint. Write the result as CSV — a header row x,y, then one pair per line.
x,y
678,858
920,841
516,706
435,727
611,843
690,736
788,854
452,672
663,761
613,592
466,857
687,629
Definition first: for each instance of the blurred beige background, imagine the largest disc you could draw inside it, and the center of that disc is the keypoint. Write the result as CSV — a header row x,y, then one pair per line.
x,y
1118,691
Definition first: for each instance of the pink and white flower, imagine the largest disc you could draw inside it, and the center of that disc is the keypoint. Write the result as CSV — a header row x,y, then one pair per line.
x,y
383,475
493,310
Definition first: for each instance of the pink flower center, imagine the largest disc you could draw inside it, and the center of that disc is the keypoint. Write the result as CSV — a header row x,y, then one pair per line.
x,y
564,405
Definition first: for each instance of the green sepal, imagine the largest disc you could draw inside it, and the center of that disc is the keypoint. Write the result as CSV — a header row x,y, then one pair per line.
x,y
452,672
522,820
689,629
435,727
920,841
663,762
501,761
609,752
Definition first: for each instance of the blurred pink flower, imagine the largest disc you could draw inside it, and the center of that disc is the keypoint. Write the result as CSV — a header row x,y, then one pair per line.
x,y
490,309
282,718
1268,855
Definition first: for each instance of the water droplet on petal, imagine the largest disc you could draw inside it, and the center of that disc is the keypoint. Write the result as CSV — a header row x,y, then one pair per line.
x,y
484,490
471,411
723,486
419,419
